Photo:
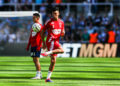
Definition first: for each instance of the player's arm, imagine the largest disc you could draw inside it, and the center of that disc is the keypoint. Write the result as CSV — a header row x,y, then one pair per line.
x,y
43,36
62,31
46,25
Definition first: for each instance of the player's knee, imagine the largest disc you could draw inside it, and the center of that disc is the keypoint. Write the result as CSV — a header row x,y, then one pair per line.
x,y
35,61
62,51
53,60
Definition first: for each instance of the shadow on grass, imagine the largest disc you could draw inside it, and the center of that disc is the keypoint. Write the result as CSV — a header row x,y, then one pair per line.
x,y
76,71
64,66
67,62
62,78
15,77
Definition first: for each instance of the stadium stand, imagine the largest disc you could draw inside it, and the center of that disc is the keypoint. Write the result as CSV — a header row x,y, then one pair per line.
x,y
77,22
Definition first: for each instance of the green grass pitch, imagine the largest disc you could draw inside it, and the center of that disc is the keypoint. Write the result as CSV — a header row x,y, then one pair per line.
x,y
17,71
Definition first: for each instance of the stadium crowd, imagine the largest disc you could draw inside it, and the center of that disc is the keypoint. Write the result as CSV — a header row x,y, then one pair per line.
x,y
25,5
53,1
78,29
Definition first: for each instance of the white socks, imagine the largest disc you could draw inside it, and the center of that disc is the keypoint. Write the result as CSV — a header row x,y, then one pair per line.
x,y
49,52
38,74
49,74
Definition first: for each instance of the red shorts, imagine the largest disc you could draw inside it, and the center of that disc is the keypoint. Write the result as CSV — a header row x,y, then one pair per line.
x,y
52,45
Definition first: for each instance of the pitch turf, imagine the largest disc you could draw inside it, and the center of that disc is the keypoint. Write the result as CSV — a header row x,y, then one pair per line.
x,y
17,71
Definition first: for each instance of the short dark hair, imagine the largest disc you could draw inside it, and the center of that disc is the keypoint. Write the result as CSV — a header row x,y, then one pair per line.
x,y
55,9
36,14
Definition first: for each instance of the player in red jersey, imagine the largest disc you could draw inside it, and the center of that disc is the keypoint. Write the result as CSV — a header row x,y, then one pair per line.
x,y
35,42
55,29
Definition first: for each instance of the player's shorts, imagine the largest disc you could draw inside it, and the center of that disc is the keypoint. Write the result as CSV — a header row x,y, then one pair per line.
x,y
52,45
34,52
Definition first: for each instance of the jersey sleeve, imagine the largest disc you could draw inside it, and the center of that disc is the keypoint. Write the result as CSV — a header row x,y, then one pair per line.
x,y
41,28
44,28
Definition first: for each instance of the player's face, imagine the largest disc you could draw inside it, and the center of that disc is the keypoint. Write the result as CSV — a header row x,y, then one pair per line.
x,y
55,14
35,19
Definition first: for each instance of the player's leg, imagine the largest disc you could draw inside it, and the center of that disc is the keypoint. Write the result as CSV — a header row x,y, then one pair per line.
x,y
53,61
38,68
51,68
37,63
58,49
35,55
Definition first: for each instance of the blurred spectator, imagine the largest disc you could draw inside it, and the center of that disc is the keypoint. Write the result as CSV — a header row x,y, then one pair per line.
x,y
24,1
13,23
43,12
97,20
18,37
94,37
6,29
68,20
118,36
116,23
77,35
39,1
29,1
105,20
111,36
50,1
12,37
58,1
88,21
66,1
67,34
13,1
1,35
102,37
85,36
90,28
80,23
29,25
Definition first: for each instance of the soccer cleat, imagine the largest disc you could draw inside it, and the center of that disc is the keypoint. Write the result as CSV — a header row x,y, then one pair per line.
x,y
48,80
44,54
37,77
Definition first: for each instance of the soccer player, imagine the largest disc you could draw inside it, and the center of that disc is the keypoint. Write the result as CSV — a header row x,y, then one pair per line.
x,y
35,42
55,29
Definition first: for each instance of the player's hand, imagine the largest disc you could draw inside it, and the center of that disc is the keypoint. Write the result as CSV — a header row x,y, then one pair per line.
x,y
44,46
53,38
38,48
27,49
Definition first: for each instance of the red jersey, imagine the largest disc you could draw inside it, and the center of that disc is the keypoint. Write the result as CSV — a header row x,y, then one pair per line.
x,y
54,28
35,39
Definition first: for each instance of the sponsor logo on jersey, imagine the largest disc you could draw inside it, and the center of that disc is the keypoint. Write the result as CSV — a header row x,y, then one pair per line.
x,y
56,31
34,33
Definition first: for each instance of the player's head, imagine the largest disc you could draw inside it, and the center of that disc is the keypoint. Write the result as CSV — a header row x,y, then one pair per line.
x,y
55,12
36,17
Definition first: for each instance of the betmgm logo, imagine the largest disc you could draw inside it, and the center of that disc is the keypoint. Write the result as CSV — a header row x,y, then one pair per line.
x,y
98,50
89,50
